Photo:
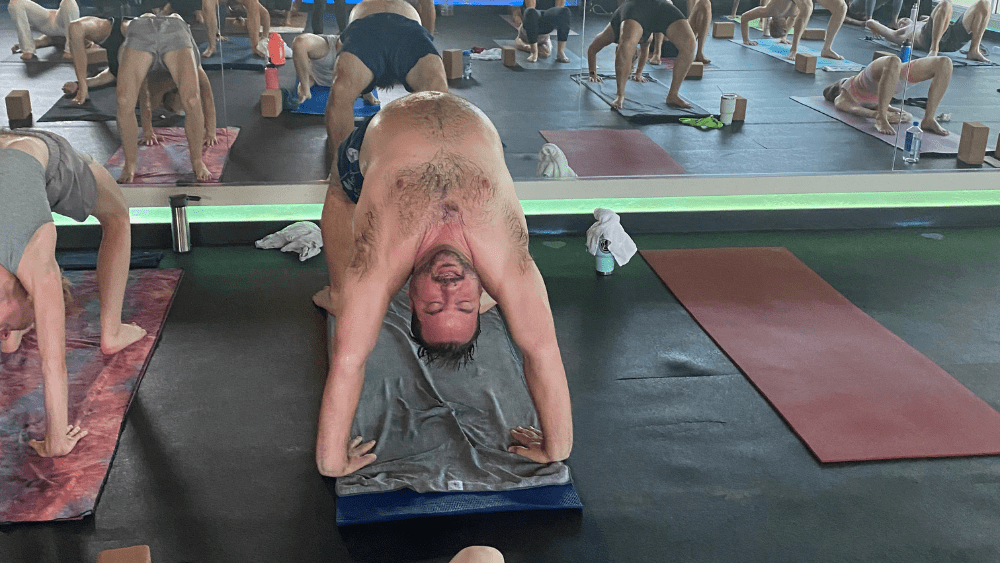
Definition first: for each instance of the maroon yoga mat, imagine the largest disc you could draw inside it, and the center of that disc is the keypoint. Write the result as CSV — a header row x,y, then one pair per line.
x,y
848,387
613,152
33,488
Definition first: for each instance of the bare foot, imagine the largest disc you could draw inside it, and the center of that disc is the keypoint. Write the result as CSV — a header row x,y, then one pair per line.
x,y
655,60
127,175
829,54
27,56
305,91
370,99
977,56
676,101
931,125
208,52
562,59
15,49
327,300
617,104
127,334
70,88
533,58
202,173
701,58
882,124
67,55
791,54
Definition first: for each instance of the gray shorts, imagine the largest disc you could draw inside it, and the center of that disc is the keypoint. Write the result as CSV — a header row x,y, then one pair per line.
x,y
954,38
69,183
159,35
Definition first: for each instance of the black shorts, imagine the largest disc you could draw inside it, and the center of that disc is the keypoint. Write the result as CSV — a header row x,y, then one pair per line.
x,y
389,45
954,38
655,16
348,163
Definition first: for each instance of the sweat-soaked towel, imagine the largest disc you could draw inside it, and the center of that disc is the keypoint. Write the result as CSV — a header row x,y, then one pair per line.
x,y
442,430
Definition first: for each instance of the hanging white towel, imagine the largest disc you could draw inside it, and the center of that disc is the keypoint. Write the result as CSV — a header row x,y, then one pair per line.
x,y
552,163
303,237
609,227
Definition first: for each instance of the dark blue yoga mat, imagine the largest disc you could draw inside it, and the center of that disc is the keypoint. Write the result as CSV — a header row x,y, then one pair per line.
x,y
234,54
403,503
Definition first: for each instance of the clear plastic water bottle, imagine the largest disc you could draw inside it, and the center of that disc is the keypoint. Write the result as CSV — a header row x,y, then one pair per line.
x,y
914,135
447,8
466,64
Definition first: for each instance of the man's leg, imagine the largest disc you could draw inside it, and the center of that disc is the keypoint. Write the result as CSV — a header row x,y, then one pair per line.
x,y
680,34
184,70
319,10
132,70
805,8
428,75
938,71
68,11
257,15
305,48
342,14
700,19
561,21
428,15
530,22
28,16
941,18
975,20
337,227
837,12
210,12
631,33
350,78
113,262
656,51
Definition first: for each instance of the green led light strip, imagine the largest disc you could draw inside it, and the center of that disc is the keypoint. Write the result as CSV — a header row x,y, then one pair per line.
x,y
303,212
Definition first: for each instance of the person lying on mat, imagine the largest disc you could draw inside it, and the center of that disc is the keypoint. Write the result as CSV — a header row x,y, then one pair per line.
x,y
29,16
40,173
383,44
160,44
860,11
438,207
109,33
804,8
314,57
935,35
868,93
699,15
633,23
542,17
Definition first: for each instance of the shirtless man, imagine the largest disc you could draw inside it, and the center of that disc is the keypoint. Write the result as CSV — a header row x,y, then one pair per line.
x,y
41,173
383,44
804,8
868,93
438,207
935,35
699,15
314,57
109,33
29,16
633,23
539,20
158,44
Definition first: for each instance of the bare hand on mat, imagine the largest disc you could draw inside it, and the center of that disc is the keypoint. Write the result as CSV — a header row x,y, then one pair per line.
x,y
58,445
358,456
532,444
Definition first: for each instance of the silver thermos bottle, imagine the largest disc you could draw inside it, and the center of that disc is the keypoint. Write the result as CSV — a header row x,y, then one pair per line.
x,y
180,230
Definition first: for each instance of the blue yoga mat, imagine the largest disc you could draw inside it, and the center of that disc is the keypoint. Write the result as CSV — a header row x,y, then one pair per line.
x,y
316,105
234,54
404,503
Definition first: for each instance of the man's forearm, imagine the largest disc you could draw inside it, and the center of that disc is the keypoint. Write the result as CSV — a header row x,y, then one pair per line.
x,y
546,379
76,40
340,402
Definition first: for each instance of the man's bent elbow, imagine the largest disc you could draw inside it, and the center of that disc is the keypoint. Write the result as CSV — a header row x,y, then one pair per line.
x,y
328,468
559,452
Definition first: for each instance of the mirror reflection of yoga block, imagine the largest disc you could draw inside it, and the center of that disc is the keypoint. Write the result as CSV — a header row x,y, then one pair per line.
x,y
879,54
452,63
972,145
723,30
96,55
134,554
697,70
740,113
805,63
509,56
270,103
814,34
18,105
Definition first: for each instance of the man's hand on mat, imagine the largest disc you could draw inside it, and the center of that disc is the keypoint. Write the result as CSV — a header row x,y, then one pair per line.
x,y
149,138
211,138
357,456
639,78
750,42
61,445
532,444
594,77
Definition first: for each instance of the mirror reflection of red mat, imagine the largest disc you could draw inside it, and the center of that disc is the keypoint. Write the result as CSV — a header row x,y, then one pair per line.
x,y
613,152
170,161
848,387
32,488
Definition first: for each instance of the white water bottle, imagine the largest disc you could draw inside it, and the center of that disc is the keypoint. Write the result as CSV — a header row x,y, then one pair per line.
x,y
466,64
914,135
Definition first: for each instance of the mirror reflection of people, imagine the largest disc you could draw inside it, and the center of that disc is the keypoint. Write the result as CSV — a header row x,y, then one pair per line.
x,y
938,34
109,33
40,173
869,93
314,57
539,20
157,45
429,199
699,15
29,17
384,44
860,11
800,11
631,25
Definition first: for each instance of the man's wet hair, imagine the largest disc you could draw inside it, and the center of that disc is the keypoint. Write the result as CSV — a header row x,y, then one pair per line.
x,y
832,91
778,27
452,355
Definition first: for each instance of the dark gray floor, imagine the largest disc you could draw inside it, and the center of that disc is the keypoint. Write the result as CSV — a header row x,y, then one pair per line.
x,y
676,457
779,136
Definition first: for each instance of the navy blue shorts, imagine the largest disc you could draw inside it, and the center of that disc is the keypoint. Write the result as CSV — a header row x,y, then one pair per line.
x,y
348,164
389,45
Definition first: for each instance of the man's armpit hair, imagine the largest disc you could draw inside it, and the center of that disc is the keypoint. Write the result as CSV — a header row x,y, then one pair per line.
x,y
518,237
364,245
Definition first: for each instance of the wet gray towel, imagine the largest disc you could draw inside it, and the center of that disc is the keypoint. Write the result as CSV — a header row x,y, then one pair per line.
x,y
444,430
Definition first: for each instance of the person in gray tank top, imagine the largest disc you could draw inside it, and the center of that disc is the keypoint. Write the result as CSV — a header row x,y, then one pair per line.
x,y
40,173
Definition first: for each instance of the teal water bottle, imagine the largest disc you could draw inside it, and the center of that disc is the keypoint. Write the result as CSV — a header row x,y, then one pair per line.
x,y
605,261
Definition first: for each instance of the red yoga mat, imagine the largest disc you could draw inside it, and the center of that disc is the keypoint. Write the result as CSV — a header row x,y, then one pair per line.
x,y
848,387
170,159
32,488
613,152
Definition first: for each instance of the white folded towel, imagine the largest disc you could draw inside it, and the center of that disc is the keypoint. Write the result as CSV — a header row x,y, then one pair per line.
x,y
303,237
609,227
552,163
488,55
